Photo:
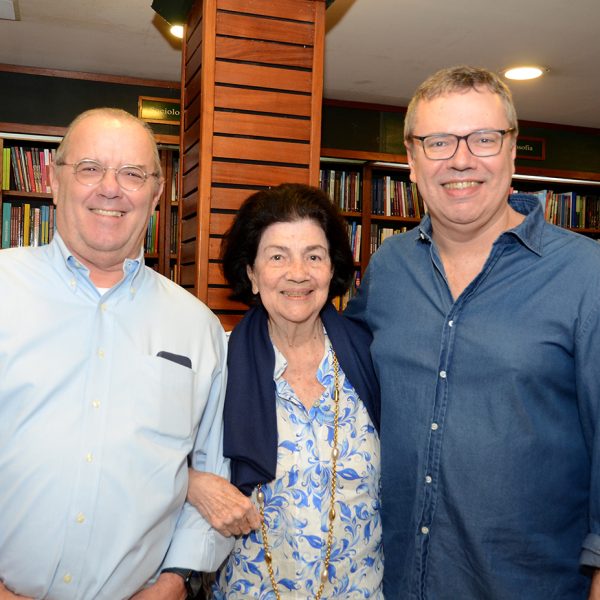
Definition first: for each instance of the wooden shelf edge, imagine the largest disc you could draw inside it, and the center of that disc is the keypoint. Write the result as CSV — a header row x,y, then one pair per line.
x,y
541,174
395,219
29,195
362,156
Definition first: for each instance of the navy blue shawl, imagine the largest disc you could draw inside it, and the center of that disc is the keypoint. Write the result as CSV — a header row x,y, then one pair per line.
x,y
250,417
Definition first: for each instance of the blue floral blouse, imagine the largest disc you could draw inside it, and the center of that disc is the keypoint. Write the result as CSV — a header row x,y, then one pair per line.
x,y
297,502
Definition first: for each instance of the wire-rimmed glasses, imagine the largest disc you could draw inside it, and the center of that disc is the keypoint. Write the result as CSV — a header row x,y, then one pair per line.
x,y
90,172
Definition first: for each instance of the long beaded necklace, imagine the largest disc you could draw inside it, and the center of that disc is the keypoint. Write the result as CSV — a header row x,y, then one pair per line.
x,y
260,496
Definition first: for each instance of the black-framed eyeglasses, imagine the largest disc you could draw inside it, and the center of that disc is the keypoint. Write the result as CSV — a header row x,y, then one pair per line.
x,y
482,143
91,172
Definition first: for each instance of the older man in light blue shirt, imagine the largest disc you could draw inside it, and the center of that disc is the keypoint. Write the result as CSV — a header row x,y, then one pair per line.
x,y
111,376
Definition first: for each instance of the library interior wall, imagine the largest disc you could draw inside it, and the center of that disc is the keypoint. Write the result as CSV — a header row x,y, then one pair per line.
x,y
54,101
369,132
378,130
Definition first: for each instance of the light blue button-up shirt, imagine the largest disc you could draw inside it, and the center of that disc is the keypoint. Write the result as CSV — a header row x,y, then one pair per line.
x,y
95,428
490,407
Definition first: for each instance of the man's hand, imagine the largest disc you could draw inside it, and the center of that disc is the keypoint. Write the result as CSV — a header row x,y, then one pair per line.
x,y
169,586
5,594
222,504
595,587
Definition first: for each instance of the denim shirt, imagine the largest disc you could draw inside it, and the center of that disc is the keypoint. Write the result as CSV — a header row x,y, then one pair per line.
x,y
490,456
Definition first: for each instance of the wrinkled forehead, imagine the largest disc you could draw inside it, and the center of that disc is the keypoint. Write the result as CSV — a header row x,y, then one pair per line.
x,y
104,137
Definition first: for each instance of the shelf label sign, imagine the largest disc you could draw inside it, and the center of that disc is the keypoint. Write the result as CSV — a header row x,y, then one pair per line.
x,y
531,148
159,110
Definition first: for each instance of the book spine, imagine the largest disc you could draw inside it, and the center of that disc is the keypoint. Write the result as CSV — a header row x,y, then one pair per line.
x,y
6,168
26,230
24,169
6,225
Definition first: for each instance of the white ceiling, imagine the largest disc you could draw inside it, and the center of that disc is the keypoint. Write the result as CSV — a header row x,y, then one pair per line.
x,y
376,50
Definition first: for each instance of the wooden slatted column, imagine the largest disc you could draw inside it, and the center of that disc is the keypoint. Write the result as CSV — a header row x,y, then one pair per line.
x,y
252,93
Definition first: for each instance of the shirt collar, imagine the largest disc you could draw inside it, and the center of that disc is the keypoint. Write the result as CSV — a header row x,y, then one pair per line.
x,y
529,232
77,272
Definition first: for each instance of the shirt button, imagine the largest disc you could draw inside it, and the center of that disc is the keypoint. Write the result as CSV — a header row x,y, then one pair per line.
x,y
103,307
443,374
428,479
80,518
89,457
96,403
424,530
100,353
450,323
67,578
434,426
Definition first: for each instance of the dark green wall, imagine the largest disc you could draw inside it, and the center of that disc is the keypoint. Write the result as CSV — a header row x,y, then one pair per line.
x,y
368,130
374,130
43,100
573,150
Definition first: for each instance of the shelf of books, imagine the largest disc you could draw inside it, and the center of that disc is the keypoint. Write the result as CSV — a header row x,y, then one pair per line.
x,y
27,209
396,205
343,184
378,200
162,234
570,203
26,224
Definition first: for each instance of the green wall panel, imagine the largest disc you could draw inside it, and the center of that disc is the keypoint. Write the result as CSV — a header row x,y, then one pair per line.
x,y
370,130
55,101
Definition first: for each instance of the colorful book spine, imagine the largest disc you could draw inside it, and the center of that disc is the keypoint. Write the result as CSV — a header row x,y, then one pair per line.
x,y
6,168
6,206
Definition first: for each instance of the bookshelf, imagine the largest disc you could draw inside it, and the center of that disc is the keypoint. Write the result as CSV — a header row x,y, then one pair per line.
x,y
27,210
388,203
26,202
164,258
567,202
372,198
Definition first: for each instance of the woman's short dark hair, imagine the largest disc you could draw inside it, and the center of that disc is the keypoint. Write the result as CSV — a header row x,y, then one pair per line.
x,y
285,203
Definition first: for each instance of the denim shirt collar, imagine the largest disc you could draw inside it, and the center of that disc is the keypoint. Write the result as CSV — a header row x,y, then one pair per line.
x,y
529,232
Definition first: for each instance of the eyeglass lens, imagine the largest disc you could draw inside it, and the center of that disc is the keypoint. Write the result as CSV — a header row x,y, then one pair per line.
x,y
90,172
480,143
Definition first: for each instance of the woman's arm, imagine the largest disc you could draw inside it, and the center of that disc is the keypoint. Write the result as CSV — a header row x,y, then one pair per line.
x,y
222,504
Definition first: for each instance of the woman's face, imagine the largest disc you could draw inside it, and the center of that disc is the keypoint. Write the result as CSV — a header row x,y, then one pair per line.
x,y
292,271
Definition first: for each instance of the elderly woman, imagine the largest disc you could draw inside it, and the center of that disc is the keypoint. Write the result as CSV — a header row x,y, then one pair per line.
x,y
301,412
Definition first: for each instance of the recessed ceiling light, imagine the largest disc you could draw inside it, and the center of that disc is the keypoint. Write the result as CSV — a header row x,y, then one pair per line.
x,y
522,73
177,31
8,10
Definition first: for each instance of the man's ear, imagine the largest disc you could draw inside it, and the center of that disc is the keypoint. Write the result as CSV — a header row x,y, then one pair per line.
x,y
54,183
160,186
410,159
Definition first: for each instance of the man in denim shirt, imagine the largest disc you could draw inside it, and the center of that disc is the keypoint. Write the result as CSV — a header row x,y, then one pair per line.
x,y
486,324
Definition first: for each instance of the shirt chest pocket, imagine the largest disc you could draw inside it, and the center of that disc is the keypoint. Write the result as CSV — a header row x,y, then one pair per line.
x,y
164,399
